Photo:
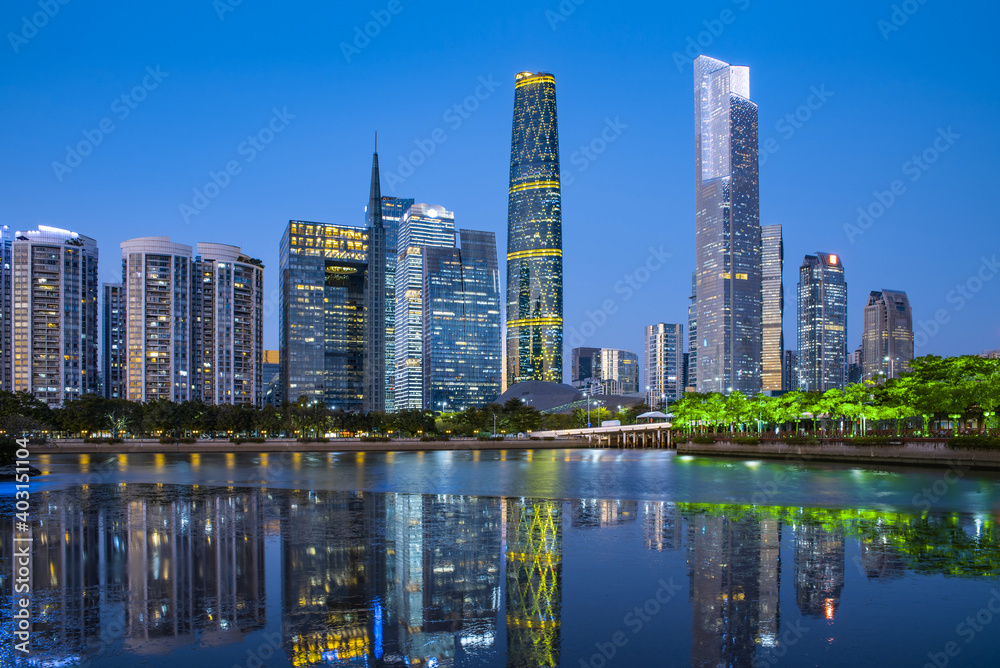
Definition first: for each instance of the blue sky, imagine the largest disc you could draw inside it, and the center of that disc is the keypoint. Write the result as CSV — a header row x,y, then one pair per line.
x,y
211,74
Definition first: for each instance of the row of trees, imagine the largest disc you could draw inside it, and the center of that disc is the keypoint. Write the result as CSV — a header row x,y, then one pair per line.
x,y
933,391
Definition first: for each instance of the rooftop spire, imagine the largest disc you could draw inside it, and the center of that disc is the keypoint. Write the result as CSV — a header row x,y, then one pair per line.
x,y
375,198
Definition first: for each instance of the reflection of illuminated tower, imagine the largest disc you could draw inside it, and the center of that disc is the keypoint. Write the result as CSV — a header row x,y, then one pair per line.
x,y
724,561
661,526
819,569
604,513
769,583
534,582
881,560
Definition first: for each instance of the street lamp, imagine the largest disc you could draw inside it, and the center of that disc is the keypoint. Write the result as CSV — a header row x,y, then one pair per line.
x,y
588,412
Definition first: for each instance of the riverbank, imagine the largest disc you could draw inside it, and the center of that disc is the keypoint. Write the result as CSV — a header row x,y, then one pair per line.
x,y
913,453
153,446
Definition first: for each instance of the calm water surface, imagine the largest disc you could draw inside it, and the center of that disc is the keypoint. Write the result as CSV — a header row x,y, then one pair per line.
x,y
513,558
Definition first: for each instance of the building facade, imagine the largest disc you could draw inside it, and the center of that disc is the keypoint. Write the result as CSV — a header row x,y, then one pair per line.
x,y
113,358
54,315
393,209
157,275
887,343
227,326
664,363
321,328
585,364
374,361
692,369
422,226
462,356
791,370
534,236
728,235
6,313
617,371
773,309
822,323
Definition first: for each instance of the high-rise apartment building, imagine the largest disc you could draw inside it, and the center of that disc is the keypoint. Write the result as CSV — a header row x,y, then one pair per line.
x,y
664,358
728,235
113,358
321,328
157,276
227,319
462,357
534,235
773,308
393,209
822,323
422,226
887,343
54,315
791,370
6,278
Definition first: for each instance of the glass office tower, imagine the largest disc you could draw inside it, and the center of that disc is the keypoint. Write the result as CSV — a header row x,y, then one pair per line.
x,y
534,235
773,308
822,323
393,209
728,241
664,355
461,324
887,346
321,329
113,356
422,226
375,300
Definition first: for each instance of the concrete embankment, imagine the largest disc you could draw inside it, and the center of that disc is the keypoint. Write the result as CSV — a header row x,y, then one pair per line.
x,y
68,446
913,453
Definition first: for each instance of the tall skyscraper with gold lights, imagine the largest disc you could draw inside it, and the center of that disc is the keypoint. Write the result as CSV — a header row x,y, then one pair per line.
x,y
773,308
534,235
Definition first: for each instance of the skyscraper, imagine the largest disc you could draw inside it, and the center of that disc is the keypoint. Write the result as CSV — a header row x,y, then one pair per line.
x,y
822,323
6,278
664,355
791,370
54,292
887,344
534,235
227,317
422,226
462,357
584,364
773,308
321,328
691,377
393,209
375,300
157,278
616,371
113,358
728,236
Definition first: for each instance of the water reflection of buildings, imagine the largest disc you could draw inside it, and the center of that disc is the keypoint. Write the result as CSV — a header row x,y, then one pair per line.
x,y
144,570
661,525
603,513
819,569
389,579
534,582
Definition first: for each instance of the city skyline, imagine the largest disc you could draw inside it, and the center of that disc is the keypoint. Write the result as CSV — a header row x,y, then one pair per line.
x,y
252,202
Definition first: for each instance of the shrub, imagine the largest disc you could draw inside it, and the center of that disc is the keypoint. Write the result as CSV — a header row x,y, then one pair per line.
x,y
380,439
801,440
427,438
548,438
699,439
974,443
8,451
187,441
169,440
317,439
746,440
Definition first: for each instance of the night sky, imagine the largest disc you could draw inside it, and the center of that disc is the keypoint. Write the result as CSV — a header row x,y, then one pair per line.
x,y
906,95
